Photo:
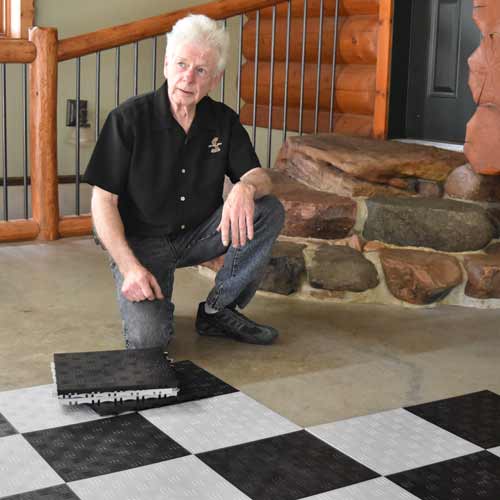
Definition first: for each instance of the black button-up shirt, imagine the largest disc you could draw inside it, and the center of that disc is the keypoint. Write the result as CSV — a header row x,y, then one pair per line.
x,y
167,181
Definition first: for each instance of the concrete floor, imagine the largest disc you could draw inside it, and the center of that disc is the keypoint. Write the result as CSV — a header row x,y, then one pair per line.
x,y
331,361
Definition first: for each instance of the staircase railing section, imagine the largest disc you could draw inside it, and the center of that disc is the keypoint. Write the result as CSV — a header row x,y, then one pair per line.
x,y
110,65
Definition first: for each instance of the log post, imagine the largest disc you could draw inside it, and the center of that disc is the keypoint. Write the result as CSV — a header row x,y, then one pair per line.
x,y
43,132
384,48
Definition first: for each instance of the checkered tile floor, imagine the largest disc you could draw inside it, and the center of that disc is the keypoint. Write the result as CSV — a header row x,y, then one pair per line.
x,y
218,444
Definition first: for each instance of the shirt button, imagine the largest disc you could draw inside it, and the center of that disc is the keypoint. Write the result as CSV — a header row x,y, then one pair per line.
x,y
183,198
183,226
183,170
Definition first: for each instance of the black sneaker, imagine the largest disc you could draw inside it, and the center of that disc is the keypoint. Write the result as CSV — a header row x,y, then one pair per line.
x,y
230,323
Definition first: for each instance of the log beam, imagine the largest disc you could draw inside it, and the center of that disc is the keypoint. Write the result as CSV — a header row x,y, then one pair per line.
x,y
18,230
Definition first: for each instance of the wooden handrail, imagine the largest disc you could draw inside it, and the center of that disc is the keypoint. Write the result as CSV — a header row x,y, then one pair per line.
x,y
116,36
17,51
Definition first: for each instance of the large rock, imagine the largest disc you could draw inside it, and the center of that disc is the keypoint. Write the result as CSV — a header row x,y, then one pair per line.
x,y
447,225
466,184
419,277
285,268
323,176
341,268
483,273
311,213
393,163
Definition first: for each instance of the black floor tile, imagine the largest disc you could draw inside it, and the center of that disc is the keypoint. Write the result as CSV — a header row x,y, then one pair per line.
x,y
472,477
103,446
194,383
475,417
6,428
61,492
286,467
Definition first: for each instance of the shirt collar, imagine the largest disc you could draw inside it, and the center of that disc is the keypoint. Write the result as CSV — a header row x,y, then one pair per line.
x,y
163,118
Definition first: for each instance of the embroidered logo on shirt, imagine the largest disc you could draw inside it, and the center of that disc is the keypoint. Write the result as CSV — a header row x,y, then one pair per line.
x,y
215,145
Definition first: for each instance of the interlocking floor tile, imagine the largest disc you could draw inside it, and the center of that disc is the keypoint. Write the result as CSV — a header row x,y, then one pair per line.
x,y
393,441
194,383
37,408
475,417
61,492
103,446
286,467
473,477
374,489
217,422
6,429
22,468
185,478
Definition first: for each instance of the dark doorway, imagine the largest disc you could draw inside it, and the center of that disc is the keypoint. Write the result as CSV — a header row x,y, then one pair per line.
x,y
430,96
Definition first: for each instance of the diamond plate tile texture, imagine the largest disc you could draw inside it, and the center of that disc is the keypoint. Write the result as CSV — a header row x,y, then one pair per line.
x,y
100,447
6,429
61,492
393,441
218,422
119,370
194,383
185,478
374,489
475,417
37,408
473,477
286,467
22,468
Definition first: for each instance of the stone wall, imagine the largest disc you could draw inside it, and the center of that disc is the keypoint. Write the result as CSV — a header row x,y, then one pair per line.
x,y
384,222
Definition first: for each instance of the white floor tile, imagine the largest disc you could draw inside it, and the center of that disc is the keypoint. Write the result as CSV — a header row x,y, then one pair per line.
x,y
36,408
22,468
393,441
186,478
218,422
375,489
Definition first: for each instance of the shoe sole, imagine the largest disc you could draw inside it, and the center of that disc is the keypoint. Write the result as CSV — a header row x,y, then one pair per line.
x,y
246,340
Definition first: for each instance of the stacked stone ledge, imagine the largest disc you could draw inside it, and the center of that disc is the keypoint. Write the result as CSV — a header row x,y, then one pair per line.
x,y
383,222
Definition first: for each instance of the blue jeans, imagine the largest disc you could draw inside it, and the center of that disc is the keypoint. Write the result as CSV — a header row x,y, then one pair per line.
x,y
150,323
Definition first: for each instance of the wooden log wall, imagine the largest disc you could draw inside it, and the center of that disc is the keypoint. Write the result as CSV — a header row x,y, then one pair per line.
x,y
483,130
359,79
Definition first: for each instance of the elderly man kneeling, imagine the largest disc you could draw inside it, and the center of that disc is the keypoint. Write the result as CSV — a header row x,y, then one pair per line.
x,y
158,174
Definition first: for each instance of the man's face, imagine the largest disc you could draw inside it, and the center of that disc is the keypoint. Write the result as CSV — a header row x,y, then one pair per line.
x,y
191,74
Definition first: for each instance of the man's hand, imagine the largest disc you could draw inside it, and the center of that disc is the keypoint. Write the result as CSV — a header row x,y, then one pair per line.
x,y
237,215
139,284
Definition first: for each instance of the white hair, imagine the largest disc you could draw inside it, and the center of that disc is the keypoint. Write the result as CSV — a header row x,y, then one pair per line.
x,y
199,29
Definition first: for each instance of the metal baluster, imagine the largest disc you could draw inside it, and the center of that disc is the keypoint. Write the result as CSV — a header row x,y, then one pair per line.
x,y
97,93
334,61
25,140
136,67
318,74
4,138
287,60
77,139
304,31
155,50
271,83
255,79
117,76
222,82
239,67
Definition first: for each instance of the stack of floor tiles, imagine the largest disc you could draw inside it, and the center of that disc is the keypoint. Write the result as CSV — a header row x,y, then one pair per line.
x,y
113,376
